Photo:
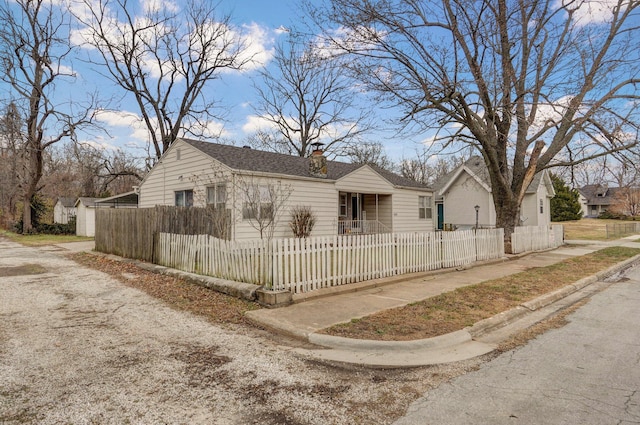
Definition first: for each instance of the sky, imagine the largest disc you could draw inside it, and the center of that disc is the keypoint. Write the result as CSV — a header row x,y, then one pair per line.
x,y
264,23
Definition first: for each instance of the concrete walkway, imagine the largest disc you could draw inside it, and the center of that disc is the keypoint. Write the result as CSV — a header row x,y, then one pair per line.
x,y
303,319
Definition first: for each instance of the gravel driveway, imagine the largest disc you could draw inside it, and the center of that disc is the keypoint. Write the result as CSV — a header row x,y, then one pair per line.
x,y
77,346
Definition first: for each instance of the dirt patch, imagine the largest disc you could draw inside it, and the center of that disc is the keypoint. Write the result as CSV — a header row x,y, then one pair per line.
x,y
180,294
26,269
455,310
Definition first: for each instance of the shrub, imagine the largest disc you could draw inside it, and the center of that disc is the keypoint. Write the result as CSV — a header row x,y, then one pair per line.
x,y
302,221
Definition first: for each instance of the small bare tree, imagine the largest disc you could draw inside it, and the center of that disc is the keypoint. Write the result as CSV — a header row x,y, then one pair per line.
x,y
211,191
262,203
302,221
165,59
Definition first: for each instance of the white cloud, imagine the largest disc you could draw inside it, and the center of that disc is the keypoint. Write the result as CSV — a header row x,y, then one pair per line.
x,y
208,129
122,119
154,6
258,46
549,113
256,123
590,11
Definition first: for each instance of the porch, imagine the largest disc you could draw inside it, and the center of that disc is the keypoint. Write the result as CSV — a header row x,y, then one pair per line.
x,y
364,213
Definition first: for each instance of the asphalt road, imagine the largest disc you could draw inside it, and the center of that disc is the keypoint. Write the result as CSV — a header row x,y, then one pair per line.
x,y
587,372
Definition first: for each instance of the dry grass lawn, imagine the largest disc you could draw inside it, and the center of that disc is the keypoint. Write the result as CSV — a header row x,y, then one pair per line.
x,y
42,240
588,228
465,306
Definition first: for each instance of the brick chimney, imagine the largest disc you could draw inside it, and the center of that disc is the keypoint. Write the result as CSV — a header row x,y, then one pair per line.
x,y
317,161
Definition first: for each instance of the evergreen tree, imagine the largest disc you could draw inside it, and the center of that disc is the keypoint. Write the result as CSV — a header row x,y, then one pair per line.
x,y
565,204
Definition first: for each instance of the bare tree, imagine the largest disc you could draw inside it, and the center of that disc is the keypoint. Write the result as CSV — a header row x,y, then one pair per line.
x,y
11,162
262,203
80,169
165,59
34,50
521,81
626,201
427,171
369,153
308,99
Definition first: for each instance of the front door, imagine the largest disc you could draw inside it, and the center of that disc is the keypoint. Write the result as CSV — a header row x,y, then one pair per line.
x,y
440,215
355,206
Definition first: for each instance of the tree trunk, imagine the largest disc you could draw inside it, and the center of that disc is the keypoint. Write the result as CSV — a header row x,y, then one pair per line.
x,y
507,215
35,174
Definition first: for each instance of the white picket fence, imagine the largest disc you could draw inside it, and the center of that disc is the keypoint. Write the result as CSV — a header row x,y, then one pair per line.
x,y
303,265
536,238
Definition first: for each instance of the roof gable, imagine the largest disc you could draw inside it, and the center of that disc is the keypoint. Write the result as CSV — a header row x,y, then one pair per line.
x,y
473,168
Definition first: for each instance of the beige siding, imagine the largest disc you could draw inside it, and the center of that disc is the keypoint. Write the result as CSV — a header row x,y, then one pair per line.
x,y
461,198
364,180
193,171
405,212
62,214
531,208
85,221
321,196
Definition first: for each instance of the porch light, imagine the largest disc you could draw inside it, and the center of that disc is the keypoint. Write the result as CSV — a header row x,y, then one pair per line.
x,y
477,208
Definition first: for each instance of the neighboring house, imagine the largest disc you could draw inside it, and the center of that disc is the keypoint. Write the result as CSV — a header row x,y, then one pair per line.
x,y
86,216
123,200
64,209
596,198
345,198
467,186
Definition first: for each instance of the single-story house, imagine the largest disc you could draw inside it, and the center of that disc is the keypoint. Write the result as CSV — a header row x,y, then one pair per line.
x,y
123,200
86,216
64,209
596,198
459,192
345,198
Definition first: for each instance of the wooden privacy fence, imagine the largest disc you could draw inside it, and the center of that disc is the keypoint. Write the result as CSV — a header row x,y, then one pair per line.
x,y
536,238
303,265
132,232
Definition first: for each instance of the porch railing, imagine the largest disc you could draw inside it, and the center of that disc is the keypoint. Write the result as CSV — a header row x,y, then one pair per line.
x,y
361,227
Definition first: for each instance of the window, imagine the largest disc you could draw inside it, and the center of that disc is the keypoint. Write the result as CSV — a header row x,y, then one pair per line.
x,y
424,207
257,203
184,198
541,206
343,205
217,195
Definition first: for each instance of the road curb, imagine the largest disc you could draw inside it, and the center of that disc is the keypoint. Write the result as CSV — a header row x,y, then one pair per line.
x,y
480,328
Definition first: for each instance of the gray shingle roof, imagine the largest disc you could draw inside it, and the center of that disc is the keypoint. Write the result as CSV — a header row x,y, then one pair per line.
x,y
67,202
597,194
87,202
253,160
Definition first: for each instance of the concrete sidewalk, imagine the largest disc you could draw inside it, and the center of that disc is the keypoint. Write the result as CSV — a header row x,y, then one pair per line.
x,y
303,319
